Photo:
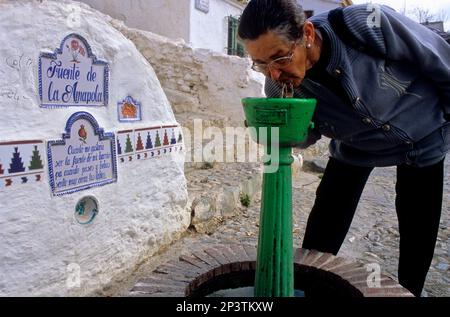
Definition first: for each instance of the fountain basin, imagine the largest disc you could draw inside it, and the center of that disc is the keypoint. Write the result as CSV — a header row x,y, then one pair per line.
x,y
291,115
222,267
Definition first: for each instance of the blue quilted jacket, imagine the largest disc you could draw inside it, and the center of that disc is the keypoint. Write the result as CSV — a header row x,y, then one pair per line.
x,y
398,90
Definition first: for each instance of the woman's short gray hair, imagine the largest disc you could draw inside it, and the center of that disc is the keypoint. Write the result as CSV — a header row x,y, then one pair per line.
x,y
283,17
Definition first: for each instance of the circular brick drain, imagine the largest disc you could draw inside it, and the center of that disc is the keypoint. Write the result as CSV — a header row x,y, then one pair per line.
x,y
230,266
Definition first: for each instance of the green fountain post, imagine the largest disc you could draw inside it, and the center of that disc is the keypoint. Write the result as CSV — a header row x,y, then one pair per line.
x,y
291,119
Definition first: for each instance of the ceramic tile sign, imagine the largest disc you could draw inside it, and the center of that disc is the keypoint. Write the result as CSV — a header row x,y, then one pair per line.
x,y
72,75
129,110
85,156
21,162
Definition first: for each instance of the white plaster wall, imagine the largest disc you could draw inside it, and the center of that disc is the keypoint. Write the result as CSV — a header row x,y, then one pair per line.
x,y
140,213
210,30
169,18
229,80
198,80
318,6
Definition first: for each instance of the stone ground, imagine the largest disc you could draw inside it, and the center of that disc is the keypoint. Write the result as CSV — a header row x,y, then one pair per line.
x,y
373,236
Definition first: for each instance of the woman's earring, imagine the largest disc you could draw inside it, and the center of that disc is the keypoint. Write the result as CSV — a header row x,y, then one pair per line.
x,y
308,45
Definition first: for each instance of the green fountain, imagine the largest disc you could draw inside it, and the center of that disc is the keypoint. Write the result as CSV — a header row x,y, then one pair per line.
x,y
278,124
234,270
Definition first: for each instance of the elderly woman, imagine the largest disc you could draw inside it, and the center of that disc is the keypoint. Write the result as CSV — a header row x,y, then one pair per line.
x,y
382,84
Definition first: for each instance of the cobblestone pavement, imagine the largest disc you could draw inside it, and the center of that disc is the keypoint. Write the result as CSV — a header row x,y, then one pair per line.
x,y
372,238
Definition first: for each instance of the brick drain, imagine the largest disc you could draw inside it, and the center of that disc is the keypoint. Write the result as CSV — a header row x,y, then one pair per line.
x,y
233,266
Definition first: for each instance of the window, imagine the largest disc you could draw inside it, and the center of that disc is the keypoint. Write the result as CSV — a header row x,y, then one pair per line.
x,y
234,46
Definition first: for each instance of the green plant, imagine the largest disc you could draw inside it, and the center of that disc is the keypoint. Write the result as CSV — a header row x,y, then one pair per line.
x,y
207,165
245,199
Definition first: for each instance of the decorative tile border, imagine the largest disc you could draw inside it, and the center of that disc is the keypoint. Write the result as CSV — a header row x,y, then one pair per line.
x,y
125,146
146,143
21,162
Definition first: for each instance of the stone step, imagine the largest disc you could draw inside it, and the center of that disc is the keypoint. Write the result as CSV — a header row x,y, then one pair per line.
x,y
217,191
215,194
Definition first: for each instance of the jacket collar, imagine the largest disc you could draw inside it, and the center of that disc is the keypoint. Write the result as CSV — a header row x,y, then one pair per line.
x,y
337,54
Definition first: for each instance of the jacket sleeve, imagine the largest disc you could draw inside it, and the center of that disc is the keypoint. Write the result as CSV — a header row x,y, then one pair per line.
x,y
399,38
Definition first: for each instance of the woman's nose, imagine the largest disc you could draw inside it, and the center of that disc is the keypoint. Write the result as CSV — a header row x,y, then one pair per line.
x,y
274,73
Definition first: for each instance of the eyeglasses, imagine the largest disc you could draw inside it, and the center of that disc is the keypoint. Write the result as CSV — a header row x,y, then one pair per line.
x,y
277,63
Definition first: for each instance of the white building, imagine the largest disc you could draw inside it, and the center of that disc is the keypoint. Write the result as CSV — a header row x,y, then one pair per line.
x,y
201,23
210,24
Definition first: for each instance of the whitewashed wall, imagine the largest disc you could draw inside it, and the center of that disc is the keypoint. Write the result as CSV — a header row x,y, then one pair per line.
x,y
41,243
168,18
318,6
198,80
